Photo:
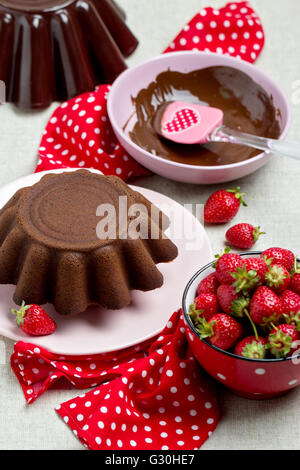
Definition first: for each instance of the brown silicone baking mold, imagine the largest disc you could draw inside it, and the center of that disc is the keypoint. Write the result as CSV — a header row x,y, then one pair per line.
x,y
52,50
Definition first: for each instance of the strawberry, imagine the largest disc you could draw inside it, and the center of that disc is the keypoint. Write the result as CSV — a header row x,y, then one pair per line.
x,y
295,283
265,306
293,319
221,330
280,256
290,302
243,235
283,340
251,275
227,264
252,347
277,278
222,206
33,320
295,278
231,302
204,306
208,285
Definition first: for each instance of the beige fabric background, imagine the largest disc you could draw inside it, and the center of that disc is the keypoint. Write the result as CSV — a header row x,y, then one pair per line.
x,y
273,198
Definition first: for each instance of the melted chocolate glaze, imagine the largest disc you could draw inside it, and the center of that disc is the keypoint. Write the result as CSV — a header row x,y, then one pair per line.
x,y
246,106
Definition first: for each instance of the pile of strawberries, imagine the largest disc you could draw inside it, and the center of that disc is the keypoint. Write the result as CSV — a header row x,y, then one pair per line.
x,y
251,306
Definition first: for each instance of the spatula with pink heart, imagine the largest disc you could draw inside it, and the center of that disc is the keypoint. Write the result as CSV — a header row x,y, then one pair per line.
x,y
189,123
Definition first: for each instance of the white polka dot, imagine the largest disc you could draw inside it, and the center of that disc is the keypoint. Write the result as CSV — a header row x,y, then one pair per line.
x,y
144,373
180,443
124,380
221,376
178,419
161,410
199,25
227,24
240,23
53,120
147,428
196,438
260,371
173,390
163,423
100,424
66,419
37,350
179,431
293,382
133,443
91,99
159,397
191,398
210,421
213,24
85,427
164,435
259,35
209,38
98,440
119,443
82,113
169,373
165,448
118,410
79,417
183,41
103,409
193,412
146,415
73,405
196,39
195,427
222,37
88,404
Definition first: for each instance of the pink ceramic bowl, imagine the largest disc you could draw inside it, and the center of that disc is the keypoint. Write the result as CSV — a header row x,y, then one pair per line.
x,y
130,82
250,378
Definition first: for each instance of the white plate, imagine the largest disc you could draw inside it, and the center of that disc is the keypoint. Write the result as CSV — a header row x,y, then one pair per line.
x,y
97,330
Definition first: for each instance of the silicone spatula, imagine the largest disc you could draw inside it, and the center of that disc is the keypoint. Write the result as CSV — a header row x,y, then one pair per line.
x,y
189,123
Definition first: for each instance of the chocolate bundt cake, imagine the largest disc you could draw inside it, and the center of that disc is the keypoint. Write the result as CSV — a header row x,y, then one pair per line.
x,y
51,250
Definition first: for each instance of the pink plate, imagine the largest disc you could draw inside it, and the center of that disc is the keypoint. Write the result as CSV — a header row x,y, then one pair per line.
x,y
96,330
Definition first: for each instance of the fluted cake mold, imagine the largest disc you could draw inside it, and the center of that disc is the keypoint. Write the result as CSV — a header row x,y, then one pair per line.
x,y
51,252
53,50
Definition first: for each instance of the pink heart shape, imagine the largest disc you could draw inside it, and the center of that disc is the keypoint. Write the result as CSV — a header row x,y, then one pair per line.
x,y
182,119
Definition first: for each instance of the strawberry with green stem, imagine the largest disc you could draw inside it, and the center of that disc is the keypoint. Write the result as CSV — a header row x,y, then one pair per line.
x,y
226,264
243,235
280,256
277,278
223,205
204,306
250,275
283,340
265,306
251,347
231,302
295,278
33,320
221,330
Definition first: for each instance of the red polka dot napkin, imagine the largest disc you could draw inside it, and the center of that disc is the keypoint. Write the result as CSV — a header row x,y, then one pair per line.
x,y
233,30
154,397
79,133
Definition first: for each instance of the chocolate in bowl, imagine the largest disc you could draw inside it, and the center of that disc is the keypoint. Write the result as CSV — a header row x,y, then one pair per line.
x,y
246,105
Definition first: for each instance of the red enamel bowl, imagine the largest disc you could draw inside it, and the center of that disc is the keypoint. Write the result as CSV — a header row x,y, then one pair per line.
x,y
249,378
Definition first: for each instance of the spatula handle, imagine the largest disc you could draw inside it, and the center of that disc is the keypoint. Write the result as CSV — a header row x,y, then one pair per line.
x,y
282,147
